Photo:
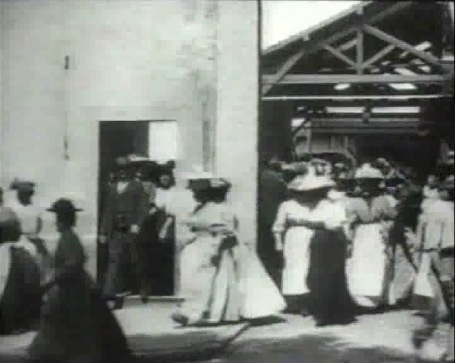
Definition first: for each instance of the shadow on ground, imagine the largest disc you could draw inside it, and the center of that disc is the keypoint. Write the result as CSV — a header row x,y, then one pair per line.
x,y
307,348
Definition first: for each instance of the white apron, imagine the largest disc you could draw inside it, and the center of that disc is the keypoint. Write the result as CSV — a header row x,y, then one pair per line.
x,y
367,268
296,250
296,255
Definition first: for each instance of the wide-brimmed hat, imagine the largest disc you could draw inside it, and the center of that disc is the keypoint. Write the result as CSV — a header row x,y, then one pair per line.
x,y
203,180
22,185
205,184
63,206
309,182
366,172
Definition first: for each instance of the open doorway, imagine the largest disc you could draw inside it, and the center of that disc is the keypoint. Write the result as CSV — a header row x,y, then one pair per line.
x,y
155,140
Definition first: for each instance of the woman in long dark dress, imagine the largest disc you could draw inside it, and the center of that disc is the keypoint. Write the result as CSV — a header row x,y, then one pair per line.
x,y
76,325
330,302
20,293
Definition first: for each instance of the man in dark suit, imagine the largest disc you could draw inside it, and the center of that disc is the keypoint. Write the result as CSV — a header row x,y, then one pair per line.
x,y
125,210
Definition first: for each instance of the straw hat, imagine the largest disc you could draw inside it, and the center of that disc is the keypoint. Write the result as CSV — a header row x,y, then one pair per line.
x,y
303,183
366,171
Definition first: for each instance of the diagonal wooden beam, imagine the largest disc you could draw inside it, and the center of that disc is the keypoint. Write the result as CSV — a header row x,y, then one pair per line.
x,y
378,56
339,55
285,68
402,45
348,45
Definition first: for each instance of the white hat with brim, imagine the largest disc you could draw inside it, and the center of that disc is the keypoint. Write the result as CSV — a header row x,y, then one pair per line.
x,y
368,172
310,182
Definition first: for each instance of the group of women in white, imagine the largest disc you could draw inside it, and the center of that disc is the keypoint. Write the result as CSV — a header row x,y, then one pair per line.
x,y
223,280
340,249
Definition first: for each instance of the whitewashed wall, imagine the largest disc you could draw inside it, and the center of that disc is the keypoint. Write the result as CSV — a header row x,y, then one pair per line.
x,y
237,122
129,60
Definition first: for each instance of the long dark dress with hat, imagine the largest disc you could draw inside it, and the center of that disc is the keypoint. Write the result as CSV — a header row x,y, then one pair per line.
x,y
76,325
331,302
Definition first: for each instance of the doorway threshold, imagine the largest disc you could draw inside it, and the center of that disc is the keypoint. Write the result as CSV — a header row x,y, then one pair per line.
x,y
168,299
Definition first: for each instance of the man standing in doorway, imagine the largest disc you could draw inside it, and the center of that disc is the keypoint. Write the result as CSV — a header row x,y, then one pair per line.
x,y
272,193
125,209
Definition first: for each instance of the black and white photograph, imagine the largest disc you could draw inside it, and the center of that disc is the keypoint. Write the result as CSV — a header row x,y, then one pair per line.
x,y
226,181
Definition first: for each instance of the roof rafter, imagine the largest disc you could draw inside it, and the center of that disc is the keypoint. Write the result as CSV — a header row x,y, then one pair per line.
x,y
339,55
310,46
310,79
378,56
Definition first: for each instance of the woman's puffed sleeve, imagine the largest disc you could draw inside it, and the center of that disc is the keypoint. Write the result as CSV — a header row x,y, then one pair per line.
x,y
279,226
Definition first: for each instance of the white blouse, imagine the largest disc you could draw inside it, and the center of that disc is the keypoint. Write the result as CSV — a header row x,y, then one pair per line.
x,y
289,209
29,216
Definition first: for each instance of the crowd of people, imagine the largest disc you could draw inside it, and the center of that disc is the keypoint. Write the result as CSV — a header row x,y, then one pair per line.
x,y
334,242
348,241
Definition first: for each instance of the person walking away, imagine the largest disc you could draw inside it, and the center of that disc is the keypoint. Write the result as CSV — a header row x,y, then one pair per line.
x,y
370,214
125,210
438,255
76,325
30,219
272,189
293,241
20,291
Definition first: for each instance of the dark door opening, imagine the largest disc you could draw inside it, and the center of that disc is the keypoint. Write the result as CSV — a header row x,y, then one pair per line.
x,y
116,139
151,139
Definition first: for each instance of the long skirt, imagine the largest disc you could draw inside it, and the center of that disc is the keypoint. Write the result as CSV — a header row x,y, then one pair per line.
x,y
209,283
261,298
20,301
77,325
124,269
156,257
296,261
331,302
368,265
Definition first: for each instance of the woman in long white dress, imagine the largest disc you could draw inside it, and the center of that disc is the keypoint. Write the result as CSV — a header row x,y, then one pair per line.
x,y
370,215
294,241
222,280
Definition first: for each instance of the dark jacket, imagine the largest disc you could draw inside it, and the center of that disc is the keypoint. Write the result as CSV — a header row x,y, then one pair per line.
x,y
125,209
75,322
